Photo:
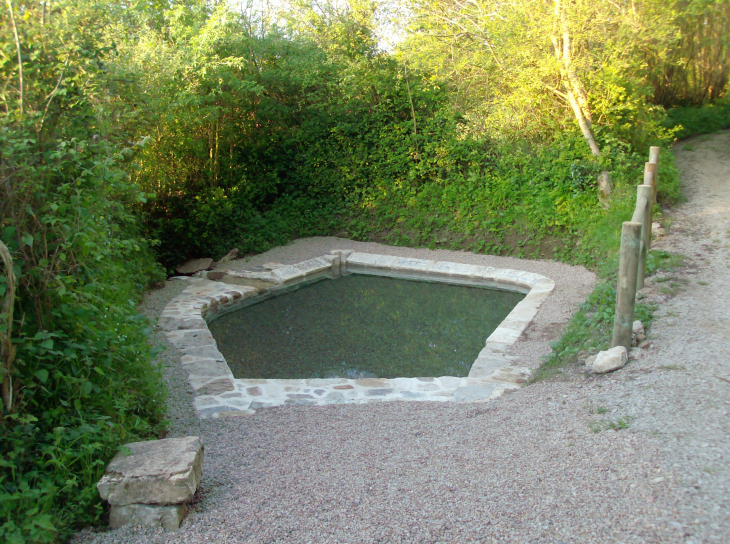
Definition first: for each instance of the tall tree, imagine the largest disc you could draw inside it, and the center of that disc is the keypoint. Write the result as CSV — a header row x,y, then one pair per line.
x,y
526,67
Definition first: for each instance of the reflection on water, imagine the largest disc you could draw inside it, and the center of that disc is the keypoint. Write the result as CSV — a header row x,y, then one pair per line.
x,y
362,326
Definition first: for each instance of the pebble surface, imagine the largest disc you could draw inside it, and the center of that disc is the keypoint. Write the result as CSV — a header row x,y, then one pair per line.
x,y
528,467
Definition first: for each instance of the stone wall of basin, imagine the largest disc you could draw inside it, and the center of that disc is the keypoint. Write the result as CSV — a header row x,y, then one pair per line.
x,y
219,394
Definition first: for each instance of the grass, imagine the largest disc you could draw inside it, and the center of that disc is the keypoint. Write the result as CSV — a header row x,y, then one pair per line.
x,y
608,425
671,290
660,260
590,329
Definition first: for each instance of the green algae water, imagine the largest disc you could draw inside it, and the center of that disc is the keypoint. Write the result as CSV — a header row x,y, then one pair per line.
x,y
362,326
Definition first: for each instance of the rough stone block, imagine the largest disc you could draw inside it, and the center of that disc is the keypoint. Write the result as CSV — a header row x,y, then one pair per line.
x,y
637,327
203,352
204,385
503,335
373,382
412,395
344,254
147,515
378,392
507,276
609,360
155,472
182,339
368,260
312,266
464,270
474,393
209,368
512,374
450,382
441,267
175,323
287,273
411,264
196,265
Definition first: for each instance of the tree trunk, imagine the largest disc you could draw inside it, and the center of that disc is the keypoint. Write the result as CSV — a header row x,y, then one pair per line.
x,y
7,349
585,126
575,92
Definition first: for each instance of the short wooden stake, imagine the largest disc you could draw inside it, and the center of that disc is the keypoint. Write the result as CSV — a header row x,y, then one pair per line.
x,y
626,293
643,194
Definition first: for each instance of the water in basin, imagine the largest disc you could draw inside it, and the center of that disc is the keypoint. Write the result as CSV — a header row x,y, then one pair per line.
x,y
362,326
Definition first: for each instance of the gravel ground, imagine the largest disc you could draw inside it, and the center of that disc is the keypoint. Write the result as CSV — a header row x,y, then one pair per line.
x,y
525,468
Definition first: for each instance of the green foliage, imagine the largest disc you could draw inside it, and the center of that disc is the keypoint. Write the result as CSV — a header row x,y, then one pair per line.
x,y
687,51
511,199
260,139
658,260
691,120
82,383
262,136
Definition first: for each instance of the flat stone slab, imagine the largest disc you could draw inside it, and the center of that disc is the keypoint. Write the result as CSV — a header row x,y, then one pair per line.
x,y
147,515
193,266
474,393
157,472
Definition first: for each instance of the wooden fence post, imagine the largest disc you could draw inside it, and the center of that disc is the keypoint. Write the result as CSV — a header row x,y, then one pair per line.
x,y
654,154
626,294
643,215
649,180
651,168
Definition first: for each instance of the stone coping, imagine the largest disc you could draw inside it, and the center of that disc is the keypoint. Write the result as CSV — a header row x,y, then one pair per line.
x,y
212,294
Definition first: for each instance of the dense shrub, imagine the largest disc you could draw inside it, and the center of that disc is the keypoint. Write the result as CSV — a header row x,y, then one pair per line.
x,y
262,137
81,382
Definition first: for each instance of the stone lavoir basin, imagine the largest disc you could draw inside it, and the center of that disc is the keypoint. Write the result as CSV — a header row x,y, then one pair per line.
x,y
351,327
362,326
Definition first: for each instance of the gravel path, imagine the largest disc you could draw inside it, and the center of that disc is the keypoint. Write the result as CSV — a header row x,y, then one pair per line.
x,y
525,468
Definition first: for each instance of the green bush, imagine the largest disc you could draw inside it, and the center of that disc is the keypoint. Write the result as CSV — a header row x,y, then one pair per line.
x,y
82,379
81,383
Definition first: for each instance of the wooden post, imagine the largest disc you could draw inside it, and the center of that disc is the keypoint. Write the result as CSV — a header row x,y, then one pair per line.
x,y
654,154
643,216
652,167
626,293
654,160
649,180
